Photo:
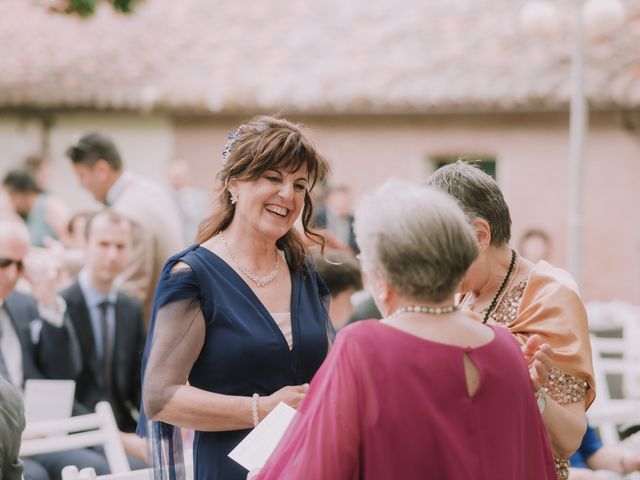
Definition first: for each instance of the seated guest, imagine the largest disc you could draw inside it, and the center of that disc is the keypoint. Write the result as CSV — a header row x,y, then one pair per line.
x,y
341,273
422,393
76,230
11,427
46,216
110,328
32,330
610,462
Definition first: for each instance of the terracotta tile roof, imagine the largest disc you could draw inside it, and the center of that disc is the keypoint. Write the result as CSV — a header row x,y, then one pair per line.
x,y
355,56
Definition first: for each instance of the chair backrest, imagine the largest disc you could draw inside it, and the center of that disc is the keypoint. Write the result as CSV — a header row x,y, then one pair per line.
x,y
631,383
71,473
608,412
83,431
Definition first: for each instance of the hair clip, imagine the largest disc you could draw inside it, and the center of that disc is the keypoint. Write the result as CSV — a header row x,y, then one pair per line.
x,y
231,137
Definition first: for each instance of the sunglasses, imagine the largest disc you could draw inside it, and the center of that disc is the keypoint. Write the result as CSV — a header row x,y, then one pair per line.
x,y
7,262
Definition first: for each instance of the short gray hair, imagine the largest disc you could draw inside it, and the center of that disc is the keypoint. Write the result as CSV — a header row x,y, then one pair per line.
x,y
418,237
478,195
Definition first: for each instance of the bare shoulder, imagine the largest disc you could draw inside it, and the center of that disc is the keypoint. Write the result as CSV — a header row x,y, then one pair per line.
x,y
180,267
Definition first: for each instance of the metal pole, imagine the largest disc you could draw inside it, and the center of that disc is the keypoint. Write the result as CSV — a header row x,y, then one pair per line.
x,y
577,131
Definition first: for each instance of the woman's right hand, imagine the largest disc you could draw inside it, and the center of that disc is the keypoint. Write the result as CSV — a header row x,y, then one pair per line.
x,y
539,357
292,395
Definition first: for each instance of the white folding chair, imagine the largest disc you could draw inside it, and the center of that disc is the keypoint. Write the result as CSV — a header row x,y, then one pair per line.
x,y
82,431
607,412
71,473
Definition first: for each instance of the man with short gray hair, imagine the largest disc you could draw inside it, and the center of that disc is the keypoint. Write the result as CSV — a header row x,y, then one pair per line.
x,y
36,337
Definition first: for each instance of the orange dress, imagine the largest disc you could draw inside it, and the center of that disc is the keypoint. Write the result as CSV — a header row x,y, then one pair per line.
x,y
548,304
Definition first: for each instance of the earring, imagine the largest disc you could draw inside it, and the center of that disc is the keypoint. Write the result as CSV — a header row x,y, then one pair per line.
x,y
234,197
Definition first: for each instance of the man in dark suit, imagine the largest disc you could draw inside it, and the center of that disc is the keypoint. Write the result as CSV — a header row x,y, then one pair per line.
x,y
36,337
110,328
11,427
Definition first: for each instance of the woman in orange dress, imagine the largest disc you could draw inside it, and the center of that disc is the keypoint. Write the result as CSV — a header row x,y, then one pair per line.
x,y
526,298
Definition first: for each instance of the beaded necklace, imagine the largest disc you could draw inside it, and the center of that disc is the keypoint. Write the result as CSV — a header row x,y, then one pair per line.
x,y
493,303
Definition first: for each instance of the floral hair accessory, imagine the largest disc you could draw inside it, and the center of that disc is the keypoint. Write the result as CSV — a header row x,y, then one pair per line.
x,y
231,137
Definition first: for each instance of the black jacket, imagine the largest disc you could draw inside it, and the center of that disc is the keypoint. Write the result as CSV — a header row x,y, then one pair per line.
x,y
47,351
128,344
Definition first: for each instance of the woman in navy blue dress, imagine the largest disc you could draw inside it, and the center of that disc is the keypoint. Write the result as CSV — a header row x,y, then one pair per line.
x,y
240,320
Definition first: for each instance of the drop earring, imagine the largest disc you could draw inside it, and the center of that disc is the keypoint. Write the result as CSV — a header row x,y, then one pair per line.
x,y
234,197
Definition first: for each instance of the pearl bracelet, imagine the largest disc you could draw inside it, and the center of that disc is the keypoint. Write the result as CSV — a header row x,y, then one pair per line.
x,y
254,409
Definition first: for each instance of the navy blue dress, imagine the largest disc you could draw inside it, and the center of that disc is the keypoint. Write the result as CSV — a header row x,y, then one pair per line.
x,y
244,351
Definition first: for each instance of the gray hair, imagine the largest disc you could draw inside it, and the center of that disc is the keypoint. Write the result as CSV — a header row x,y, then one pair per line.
x,y
418,238
478,195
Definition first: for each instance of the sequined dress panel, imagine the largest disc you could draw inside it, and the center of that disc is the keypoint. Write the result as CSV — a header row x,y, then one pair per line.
x,y
561,386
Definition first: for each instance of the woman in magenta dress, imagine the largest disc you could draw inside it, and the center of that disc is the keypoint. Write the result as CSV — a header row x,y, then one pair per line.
x,y
429,392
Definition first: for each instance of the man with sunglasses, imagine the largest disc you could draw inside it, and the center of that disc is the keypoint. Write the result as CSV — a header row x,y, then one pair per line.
x,y
37,339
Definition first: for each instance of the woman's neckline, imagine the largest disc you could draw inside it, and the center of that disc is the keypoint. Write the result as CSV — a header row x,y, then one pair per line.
x,y
410,335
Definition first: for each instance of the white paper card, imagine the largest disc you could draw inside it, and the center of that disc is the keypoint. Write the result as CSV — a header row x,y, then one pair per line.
x,y
48,399
256,448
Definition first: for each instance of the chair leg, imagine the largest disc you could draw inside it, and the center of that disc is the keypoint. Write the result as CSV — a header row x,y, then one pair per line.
x,y
70,472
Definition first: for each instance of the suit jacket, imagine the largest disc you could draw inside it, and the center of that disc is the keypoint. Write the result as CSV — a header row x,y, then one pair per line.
x,y
127,353
55,353
158,236
11,427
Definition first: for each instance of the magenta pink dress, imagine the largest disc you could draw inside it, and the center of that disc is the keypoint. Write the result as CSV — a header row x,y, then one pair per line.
x,y
389,405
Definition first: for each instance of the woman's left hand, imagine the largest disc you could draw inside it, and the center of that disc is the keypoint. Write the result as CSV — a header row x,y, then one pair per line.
x,y
539,357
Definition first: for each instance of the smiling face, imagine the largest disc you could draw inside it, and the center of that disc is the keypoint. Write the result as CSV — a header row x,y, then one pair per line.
x,y
271,204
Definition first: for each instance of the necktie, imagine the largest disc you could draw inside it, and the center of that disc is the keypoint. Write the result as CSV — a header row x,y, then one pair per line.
x,y
106,345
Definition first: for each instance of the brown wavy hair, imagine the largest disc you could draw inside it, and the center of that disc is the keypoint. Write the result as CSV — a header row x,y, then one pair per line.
x,y
268,143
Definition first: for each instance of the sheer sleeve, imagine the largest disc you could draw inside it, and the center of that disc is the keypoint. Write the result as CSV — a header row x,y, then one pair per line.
x,y
324,440
177,341
174,341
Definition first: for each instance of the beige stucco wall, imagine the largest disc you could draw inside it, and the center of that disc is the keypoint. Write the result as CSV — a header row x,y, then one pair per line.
x,y
531,153
145,143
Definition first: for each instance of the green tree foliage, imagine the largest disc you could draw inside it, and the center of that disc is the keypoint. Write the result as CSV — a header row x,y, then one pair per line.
x,y
86,8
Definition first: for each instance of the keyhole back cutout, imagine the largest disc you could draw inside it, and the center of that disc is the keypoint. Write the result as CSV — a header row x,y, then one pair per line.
x,y
471,374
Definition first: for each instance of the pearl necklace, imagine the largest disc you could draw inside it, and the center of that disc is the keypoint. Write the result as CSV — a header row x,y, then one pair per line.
x,y
425,309
259,280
